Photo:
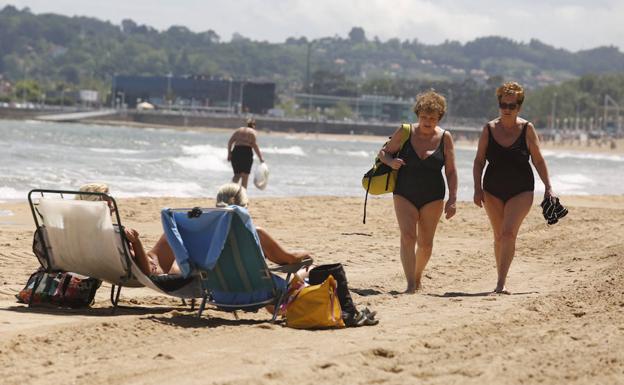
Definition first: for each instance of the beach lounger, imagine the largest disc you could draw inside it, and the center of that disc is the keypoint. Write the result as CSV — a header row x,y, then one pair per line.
x,y
80,236
221,246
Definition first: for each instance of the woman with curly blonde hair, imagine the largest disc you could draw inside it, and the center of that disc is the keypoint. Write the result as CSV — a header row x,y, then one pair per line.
x,y
506,192
420,190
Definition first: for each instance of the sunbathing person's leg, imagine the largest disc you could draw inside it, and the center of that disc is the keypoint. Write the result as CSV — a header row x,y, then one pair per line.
x,y
162,253
159,260
275,253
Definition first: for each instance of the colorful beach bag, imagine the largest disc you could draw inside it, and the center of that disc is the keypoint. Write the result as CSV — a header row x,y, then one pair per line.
x,y
315,307
62,289
381,178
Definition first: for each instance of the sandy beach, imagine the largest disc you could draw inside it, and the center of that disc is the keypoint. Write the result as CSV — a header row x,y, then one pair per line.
x,y
563,324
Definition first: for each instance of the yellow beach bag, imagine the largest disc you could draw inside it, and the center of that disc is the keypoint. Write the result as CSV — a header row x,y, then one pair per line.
x,y
315,307
381,178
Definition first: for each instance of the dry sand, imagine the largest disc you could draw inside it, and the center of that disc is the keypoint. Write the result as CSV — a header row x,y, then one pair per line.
x,y
563,325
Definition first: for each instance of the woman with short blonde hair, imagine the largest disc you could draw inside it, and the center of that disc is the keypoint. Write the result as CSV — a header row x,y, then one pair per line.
x,y
420,190
232,194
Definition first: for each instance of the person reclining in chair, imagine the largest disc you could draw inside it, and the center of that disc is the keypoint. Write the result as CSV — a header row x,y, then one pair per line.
x,y
160,259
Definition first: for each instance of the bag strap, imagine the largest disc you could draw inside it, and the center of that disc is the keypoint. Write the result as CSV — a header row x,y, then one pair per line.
x,y
406,130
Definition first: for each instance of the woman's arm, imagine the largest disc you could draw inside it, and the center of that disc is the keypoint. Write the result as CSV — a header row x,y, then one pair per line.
x,y
538,159
386,154
137,250
275,253
451,174
478,165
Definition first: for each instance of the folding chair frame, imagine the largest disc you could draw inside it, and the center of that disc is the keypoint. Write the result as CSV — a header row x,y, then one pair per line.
x,y
114,297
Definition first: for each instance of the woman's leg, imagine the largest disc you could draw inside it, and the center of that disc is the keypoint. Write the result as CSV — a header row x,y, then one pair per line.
x,y
162,256
429,218
516,209
407,217
274,252
495,208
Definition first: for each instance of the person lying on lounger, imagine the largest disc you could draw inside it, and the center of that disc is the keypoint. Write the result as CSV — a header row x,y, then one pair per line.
x,y
160,259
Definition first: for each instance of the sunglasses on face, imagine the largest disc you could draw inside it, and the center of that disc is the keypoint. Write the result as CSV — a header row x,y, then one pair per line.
x,y
507,106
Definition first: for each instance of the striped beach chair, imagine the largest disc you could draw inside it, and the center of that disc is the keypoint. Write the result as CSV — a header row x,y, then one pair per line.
x,y
221,245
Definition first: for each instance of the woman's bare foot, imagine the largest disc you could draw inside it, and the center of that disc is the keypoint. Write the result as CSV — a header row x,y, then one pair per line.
x,y
502,290
413,288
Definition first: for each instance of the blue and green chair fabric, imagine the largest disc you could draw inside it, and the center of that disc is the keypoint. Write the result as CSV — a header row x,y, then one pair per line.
x,y
221,245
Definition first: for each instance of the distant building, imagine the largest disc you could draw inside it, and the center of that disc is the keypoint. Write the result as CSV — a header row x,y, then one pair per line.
x,y
88,96
194,92
367,107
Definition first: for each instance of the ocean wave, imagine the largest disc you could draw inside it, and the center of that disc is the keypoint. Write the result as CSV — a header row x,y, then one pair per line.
x,y
293,150
208,162
204,149
353,153
158,188
571,183
203,157
582,155
115,150
10,193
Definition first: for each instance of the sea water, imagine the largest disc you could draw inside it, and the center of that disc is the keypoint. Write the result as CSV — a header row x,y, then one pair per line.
x,y
169,162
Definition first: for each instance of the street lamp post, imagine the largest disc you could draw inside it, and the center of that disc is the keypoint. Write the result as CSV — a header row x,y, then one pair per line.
x,y
169,75
240,95
230,95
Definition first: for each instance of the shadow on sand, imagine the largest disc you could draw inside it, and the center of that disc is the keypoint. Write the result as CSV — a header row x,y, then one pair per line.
x,y
92,312
191,321
454,294
366,292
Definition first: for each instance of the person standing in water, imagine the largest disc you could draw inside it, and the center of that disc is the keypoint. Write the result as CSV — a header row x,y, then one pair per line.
x,y
240,147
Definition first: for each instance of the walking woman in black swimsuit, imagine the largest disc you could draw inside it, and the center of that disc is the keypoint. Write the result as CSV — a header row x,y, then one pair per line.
x,y
419,192
507,143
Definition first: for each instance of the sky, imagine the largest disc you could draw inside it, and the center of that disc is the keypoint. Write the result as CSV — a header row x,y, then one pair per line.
x,y
570,24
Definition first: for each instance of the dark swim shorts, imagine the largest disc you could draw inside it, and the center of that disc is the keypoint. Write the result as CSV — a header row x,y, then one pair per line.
x,y
242,158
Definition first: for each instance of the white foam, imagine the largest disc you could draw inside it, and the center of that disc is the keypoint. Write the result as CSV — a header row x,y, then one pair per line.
x,y
571,183
204,157
158,188
10,193
293,150
356,154
115,150
203,149
6,213
361,154
582,155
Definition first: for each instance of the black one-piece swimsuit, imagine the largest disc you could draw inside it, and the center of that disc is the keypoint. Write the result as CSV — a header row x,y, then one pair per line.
x,y
508,172
420,181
